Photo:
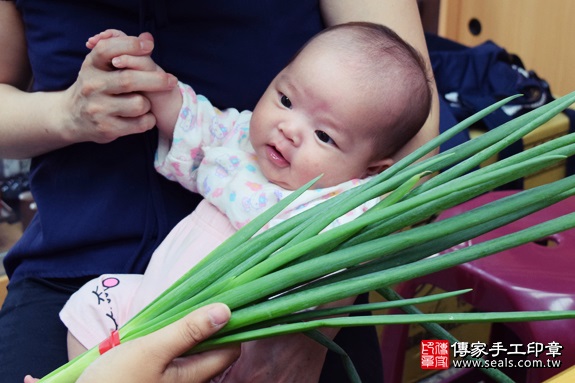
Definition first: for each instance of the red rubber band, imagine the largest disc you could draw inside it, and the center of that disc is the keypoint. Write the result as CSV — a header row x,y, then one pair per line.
x,y
112,341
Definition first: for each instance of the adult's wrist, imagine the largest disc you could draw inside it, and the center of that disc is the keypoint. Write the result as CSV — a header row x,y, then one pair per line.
x,y
61,125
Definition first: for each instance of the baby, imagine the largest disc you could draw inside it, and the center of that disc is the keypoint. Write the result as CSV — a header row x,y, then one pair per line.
x,y
341,108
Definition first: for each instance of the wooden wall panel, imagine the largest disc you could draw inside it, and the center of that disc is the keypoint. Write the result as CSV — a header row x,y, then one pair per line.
x,y
540,32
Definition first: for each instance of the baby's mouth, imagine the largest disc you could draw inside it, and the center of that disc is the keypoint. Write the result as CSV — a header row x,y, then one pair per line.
x,y
275,156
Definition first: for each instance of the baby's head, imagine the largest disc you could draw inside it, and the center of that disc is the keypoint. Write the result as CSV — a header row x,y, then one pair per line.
x,y
350,99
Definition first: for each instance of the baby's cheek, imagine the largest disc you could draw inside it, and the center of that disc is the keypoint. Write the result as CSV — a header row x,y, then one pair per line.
x,y
310,174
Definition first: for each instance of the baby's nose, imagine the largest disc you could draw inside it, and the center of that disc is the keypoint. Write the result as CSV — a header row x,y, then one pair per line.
x,y
291,131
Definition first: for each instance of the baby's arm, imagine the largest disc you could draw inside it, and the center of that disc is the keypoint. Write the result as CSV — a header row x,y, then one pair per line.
x,y
165,106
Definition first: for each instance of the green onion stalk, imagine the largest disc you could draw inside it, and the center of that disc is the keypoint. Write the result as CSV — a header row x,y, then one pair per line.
x,y
270,279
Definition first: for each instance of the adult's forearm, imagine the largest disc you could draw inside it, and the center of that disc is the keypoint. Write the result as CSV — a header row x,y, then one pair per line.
x,y
22,130
30,123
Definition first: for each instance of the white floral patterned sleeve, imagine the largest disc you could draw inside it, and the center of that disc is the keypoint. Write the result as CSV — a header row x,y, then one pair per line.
x,y
200,125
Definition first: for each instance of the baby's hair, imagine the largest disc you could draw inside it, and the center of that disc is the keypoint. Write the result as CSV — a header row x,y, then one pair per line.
x,y
393,71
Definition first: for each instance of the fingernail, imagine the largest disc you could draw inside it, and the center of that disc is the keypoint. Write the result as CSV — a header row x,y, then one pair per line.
x,y
219,315
146,45
172,80
116,61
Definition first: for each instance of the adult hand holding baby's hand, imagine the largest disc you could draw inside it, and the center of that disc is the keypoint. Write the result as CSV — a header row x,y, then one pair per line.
x,y
106,102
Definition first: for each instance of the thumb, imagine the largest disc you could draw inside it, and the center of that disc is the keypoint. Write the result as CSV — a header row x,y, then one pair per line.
x,y
146,36
182,335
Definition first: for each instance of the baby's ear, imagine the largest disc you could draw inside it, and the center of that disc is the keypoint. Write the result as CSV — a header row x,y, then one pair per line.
x,y
378,166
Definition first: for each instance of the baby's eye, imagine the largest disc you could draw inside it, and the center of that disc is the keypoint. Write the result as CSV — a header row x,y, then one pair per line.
x,y
324,137
285,101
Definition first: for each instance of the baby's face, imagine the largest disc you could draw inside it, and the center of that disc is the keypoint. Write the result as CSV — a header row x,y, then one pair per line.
x,y
313,119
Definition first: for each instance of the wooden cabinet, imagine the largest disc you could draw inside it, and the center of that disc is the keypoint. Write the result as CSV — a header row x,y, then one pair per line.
x,y
539,31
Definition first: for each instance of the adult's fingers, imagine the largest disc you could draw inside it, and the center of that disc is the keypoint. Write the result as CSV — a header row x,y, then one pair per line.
x,y
99,97
115,82
127,81
192,330
179,337
202,367
107,49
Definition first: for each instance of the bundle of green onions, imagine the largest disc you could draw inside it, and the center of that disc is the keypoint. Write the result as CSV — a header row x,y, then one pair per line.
x,y
270,278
